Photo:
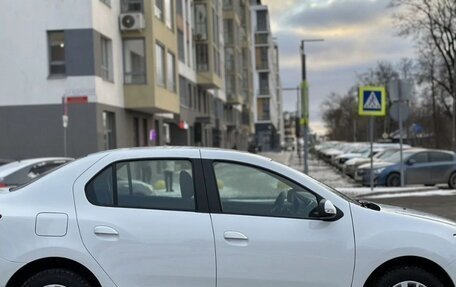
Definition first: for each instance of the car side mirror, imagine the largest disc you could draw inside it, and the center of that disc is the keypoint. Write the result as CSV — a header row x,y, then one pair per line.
x,y
326,210
411,161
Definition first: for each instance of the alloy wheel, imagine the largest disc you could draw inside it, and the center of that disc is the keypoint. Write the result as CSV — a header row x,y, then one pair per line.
x,y
409,284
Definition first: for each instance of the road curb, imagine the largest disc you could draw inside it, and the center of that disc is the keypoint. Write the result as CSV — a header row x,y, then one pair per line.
x,y
361,192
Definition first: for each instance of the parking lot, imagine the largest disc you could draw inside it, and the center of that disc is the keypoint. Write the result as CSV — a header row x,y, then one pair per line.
x,y
439,200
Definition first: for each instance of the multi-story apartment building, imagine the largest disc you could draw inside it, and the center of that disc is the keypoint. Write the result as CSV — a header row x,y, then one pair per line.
x,y
200,73
238,71
122,73
268,95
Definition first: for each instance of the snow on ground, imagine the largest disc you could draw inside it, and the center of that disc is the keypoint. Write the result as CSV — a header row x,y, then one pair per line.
x,y
440,192
324,172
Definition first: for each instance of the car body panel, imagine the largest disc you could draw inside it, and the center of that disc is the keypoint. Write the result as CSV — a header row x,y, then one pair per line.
x,y
394,232
274,242
152,247
20,208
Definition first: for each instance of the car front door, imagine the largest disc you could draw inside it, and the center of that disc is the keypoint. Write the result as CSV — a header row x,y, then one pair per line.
x,y
139,219
266,237
417,169
440,166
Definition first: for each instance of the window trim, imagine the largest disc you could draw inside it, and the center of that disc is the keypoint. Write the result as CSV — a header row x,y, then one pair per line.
x,y
199,185
213,194
126,39
49,56
107,71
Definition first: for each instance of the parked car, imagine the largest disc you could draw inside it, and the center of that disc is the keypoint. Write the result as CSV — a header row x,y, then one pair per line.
x,y
4,161
232,219
351,166
421,166
19,172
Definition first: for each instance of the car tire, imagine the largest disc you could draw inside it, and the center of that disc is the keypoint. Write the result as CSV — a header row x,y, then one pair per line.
x,y
452,181
414,276
393,180
58,277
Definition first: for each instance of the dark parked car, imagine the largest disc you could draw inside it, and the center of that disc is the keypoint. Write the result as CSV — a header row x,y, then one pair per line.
x,y
20,172
421,166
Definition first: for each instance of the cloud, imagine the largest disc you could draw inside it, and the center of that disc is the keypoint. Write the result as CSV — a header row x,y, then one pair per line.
x,y
357,33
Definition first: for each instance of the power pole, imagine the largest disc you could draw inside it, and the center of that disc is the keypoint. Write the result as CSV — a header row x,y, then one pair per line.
x,y
304,123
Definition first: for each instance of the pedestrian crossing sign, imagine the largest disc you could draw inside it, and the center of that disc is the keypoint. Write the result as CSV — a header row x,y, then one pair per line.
x,y
372,101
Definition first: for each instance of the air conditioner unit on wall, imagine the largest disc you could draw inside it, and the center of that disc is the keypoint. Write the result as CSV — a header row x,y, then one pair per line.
x,y
132,21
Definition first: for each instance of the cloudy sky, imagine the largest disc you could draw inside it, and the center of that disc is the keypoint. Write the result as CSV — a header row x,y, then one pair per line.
x,y
357,33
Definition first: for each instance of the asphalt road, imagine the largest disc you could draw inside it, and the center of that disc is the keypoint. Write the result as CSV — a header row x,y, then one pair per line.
x,y
444,206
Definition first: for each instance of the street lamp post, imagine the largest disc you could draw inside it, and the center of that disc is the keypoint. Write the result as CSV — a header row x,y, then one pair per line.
x,y
305,102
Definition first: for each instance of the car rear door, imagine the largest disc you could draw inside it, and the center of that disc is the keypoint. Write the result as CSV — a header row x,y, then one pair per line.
x,y
441,165
140,232
417,169
260,245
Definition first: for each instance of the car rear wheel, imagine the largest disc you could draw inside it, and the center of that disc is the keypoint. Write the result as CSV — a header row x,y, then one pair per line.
x,y
393,179
452,181
56,278
408,276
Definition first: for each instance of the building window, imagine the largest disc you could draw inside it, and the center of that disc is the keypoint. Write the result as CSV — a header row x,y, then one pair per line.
x,y
160,64
145,133
264,83
261,38
181,45
106,59
228,31
217,61
227,4
109,126
169,14
183,92
261,58
202,57
230,84
171,72
132,5
263,109
134,61
215,29
106,2
201,22
180,8
159,9
262,22
136,131
56,43
229,59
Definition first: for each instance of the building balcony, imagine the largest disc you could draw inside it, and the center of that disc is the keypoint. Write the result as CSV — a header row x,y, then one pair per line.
x,y
234,99
208,80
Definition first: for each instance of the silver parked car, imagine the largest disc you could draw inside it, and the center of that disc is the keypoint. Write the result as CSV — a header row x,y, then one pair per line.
x,y
421,166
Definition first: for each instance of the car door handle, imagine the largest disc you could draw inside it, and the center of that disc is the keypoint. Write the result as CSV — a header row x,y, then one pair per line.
x,y
234,235
105,231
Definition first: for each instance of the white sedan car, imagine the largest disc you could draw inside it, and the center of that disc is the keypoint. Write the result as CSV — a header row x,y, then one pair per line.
x,y
204,218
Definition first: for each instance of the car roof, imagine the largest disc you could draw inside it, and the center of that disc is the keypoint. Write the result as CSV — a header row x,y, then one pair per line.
x,y
215,152
16,165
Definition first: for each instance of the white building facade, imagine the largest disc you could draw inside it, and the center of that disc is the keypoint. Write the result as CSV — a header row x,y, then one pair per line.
x,y
267,86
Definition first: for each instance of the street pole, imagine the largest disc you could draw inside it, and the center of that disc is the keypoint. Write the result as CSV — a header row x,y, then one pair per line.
x,y
454,109
305,113
65,125
304,125
401,141
371,132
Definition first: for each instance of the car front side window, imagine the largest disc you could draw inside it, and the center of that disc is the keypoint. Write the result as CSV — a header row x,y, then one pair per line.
x,y
249,190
